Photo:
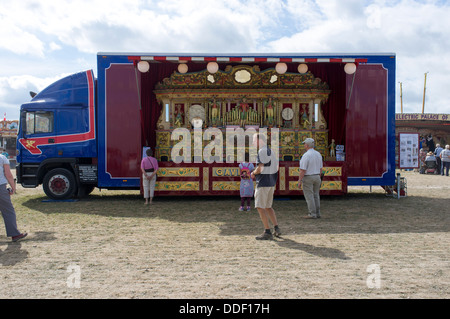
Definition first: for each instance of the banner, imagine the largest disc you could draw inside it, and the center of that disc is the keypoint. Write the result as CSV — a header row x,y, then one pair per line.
x,y
420,116
408,150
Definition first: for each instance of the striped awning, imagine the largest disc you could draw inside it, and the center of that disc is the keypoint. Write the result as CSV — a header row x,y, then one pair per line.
x,y
246,59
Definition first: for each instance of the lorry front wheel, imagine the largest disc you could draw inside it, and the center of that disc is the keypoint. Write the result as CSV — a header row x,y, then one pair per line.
x,y
59,183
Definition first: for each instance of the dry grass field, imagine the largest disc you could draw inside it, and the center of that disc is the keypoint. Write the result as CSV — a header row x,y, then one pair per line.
x,y
109,245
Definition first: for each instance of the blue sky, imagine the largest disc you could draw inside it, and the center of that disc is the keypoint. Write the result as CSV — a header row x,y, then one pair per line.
x,y
42,41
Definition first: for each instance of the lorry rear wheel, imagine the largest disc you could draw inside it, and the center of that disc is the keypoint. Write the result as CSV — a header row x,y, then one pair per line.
x,y
59,183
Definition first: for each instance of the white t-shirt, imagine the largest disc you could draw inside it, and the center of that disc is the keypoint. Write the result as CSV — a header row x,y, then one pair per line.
x,y
311,162
445,155
3,161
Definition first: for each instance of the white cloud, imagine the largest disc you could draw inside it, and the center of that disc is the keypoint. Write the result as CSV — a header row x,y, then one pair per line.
x,y
19,41
419,34
47,38
54,46
14,91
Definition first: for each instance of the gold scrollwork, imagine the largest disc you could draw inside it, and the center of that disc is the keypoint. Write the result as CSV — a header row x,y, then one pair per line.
x,y
163,139
177,186
326,185
178,172
282,174
205,178
226,186
329,171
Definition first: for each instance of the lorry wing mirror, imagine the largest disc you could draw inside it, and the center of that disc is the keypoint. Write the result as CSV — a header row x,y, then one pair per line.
x,y
33,94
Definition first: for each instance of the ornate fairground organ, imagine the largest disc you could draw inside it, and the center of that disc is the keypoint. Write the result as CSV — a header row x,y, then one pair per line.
x,y
242,97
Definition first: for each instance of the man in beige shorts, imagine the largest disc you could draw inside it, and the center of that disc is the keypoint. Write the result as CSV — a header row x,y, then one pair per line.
x,y
266,175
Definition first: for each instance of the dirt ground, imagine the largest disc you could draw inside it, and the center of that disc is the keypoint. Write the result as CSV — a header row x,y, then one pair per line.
x,y
109,245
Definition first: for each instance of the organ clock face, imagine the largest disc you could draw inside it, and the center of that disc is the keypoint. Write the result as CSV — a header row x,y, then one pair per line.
x,y
287,114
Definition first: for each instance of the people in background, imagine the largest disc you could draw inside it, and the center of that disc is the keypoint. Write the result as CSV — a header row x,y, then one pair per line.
x,y
437,153
422,157
430,157
6,206
445,158
4,153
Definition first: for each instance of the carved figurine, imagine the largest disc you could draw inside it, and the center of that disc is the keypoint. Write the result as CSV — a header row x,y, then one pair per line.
x,y
179,117
332,148
268,105
244,107
214,113
305,118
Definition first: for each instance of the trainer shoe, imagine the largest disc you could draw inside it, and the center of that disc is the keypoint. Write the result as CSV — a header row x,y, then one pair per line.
x,y
248,208
241,209
19,237
277,231
265,236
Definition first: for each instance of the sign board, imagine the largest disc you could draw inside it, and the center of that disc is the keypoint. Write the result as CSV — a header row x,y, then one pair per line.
x,y
408,156
421,117
88,173
340,154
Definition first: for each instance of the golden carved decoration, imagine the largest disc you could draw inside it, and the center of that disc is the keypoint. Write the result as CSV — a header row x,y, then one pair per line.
x,y
178,171
325,186
329,171
163,139
177,186
242,75
205,178
226,186
282,174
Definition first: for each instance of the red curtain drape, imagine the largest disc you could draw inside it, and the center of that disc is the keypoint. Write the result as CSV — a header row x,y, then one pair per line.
x,y
334,110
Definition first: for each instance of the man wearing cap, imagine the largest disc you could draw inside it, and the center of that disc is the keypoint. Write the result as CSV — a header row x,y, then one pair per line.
x,y
266,175
311,165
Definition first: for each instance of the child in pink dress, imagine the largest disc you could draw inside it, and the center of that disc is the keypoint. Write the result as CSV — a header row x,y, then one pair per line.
x,y
246,188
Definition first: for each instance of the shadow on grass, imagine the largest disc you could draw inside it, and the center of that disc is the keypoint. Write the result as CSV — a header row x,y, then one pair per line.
x,y
368,213
14,254
324,252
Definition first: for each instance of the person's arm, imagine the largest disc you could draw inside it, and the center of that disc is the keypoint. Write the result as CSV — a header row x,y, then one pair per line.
x,y
143,170
155,168
301,174
9,177
258,170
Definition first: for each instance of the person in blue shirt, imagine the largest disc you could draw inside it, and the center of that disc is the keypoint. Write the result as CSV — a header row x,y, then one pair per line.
x,y
6,206
437,153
